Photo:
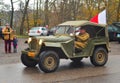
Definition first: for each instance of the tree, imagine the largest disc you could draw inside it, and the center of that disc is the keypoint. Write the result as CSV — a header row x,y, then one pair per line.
x,y
53,12
118,12
35,14
23,17
4,12
12,13
46,13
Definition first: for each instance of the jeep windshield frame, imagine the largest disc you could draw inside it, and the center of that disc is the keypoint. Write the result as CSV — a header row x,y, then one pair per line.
x,y
65,30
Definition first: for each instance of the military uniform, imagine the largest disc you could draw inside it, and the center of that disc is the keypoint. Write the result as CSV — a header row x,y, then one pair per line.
x,y
81,40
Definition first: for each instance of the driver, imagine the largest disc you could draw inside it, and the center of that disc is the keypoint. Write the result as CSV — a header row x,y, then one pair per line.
x,y
81,39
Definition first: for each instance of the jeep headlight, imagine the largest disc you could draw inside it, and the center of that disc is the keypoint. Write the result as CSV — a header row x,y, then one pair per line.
x,y
29,40
40,42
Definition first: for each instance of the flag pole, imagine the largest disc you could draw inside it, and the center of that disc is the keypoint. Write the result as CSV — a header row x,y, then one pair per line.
x,y
106,7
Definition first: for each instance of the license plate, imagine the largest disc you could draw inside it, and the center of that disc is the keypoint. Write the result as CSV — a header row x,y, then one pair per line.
x,y
31,54
118,35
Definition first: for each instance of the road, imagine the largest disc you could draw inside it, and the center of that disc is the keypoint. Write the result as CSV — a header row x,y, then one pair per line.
x,y
13,71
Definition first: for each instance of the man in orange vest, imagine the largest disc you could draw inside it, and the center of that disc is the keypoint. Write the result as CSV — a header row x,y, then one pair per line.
x,y
8,37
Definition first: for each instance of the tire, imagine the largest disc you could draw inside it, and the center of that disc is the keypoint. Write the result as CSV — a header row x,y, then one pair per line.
x,y
41,34
119,42
28,61
99,57
76,60
49,61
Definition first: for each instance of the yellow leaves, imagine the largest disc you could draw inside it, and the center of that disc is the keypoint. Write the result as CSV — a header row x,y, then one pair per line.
x,y
32,21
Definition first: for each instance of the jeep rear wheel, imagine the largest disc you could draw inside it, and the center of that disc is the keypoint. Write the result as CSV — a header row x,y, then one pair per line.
x,y
76,60
99,57
27,61
49,61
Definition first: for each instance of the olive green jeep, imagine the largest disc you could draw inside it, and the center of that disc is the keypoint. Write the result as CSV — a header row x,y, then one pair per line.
x,y
46,51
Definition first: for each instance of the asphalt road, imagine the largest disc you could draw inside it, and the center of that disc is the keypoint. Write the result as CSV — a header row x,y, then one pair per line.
x,y
11,57
13,71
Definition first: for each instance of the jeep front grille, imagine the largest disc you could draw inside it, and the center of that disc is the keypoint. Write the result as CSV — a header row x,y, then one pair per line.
x,y
34,44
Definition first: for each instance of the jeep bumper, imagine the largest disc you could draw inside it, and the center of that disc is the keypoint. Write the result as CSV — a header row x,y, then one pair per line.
x,y
30,53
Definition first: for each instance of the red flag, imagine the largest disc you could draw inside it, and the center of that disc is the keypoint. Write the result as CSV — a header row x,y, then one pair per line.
x,y
94,19
100,18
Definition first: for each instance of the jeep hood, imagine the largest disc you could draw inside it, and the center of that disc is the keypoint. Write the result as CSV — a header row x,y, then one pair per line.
x,y
54,38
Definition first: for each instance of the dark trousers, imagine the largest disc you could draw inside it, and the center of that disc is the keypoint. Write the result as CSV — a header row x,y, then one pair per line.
x,y
7,46
14,46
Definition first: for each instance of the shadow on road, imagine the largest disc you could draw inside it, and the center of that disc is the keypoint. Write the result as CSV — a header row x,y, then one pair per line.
x,y
29,70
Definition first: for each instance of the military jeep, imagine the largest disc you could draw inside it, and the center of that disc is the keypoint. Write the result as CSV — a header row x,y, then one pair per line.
x,y
46,51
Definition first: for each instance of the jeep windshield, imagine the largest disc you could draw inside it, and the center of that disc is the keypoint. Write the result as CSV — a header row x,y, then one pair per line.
x,y
64,30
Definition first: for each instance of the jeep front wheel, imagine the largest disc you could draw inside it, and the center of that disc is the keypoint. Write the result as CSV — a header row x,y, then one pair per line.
x,y
49,61
99,57
119,41
27,61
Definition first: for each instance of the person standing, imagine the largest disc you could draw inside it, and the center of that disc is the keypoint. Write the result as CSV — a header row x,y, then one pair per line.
x,y
8,37
15,40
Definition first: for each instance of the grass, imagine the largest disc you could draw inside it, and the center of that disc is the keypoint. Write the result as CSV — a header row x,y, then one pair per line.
x,y
19,36
22,36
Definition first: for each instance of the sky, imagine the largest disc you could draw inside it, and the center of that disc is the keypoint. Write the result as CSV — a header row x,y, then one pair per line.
x,y
16,3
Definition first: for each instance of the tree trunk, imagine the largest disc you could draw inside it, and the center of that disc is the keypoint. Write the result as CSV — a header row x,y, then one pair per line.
x,y
23,17
118,12
12,13
36,14
28,23
46,13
